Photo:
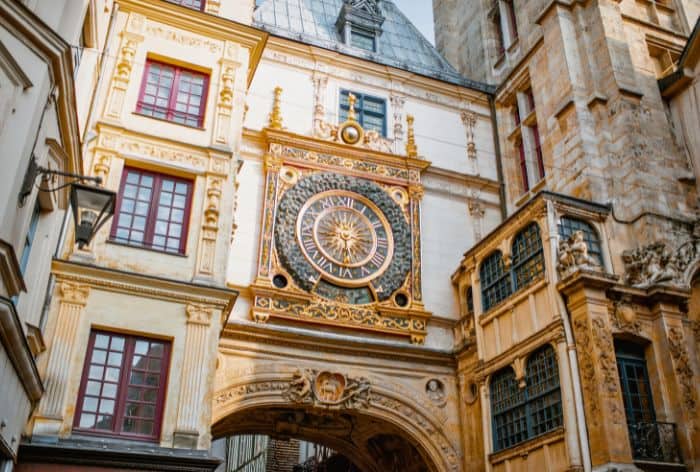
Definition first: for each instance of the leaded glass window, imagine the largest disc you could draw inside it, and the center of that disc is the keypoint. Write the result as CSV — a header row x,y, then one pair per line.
x,y
528,257
569,226
519,413
634,380
495,281
370,111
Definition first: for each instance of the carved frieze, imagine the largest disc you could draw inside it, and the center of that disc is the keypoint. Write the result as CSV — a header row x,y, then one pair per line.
x,y
659,263
328,390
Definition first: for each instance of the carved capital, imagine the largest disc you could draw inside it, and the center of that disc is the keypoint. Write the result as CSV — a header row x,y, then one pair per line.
x,y
73,293
198,314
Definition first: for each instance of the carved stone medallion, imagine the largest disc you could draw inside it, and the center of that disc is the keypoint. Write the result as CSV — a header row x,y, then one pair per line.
x,y
342,233
328,389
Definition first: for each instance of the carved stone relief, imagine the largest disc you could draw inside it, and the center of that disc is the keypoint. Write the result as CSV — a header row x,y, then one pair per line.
x,y
435,391
573,255
659,263
328,390
683,369
624,317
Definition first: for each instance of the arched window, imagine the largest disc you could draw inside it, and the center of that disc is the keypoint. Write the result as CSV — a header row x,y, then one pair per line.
x,y
495,281
518,413
507,410
528,257
569,226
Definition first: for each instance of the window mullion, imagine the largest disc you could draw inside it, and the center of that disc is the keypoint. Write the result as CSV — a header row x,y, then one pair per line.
x,y
153,210
123,388
172,100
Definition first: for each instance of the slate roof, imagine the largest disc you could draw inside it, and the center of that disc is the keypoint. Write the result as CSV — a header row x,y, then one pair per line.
x,y
401,45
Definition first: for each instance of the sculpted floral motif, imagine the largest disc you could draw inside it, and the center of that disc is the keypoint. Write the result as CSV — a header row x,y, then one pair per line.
x,y
183,39
345,163
608,365
658,263
573,255
682,367
328,389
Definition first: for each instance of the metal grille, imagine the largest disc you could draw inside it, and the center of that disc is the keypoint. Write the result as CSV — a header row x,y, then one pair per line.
x,y
495,281
523,413
569,226
528,257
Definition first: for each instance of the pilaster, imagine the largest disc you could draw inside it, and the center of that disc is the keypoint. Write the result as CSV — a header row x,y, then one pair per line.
x,y
223,119
206,256
50,415
568,407
194,378
131,37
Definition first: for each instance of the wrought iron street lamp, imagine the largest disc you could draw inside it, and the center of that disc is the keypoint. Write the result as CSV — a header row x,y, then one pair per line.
x,y
92,205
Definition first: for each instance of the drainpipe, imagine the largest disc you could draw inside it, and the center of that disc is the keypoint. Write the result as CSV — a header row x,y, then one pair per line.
x,y
573,358
499,161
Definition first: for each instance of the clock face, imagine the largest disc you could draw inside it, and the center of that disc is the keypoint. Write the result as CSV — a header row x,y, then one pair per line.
x,y
345,237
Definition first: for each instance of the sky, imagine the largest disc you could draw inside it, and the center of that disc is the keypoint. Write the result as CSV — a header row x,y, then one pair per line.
x,y
420,12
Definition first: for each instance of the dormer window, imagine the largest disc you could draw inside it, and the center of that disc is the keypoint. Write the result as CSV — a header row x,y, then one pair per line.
x,y
360,24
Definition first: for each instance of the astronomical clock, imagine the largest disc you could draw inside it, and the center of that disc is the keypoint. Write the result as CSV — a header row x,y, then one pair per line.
x,y
340,239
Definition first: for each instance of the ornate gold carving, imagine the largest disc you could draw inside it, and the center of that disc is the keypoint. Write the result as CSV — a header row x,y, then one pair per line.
x,y
276,114
76,294
126,59
411,148
328,390
198,314
683,369
102,166
211,213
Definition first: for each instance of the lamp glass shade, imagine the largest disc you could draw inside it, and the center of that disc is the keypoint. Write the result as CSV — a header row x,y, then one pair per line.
x,y
92,207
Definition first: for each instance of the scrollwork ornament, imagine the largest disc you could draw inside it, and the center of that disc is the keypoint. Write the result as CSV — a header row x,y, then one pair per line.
x,y
328,390
682,368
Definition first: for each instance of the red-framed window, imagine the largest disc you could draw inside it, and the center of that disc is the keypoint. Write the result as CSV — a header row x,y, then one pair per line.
x,y
173,93
523,165
538,151
122,391
152,211
194,4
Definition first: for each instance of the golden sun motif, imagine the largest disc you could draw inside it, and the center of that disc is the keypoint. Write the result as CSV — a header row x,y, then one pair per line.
x,y
346,237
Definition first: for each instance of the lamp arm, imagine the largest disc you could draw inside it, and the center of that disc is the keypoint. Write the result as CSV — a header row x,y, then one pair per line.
x,y
34,171
45,171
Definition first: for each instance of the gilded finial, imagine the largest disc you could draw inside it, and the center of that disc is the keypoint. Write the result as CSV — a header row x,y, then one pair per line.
x,y
351,107
276,115
411,148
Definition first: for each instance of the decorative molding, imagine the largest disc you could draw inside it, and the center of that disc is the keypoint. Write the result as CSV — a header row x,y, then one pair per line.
x,y
624,317
18,350
12,280
329,390
683,369
182,38
469,120
199,314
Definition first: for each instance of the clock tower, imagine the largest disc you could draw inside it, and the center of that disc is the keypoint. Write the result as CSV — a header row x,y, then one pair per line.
x,y
340,241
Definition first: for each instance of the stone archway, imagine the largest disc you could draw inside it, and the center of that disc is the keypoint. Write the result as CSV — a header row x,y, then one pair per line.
x,y
358,417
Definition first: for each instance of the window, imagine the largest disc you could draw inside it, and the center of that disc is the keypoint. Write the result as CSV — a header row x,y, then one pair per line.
x,y
370,111
194,4
519,413
528,145
173,93
152,211
470,301
568,226
512,20
495,281
528,256
363,40
122,391
634,380
495,16
29,238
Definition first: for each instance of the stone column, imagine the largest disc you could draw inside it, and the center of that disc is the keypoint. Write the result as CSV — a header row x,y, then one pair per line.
x,y
605,414
273,163
50,415
193,380
568,406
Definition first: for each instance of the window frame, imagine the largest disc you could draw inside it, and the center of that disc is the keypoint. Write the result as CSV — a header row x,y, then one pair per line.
x,y
365,34
486,304
122,387
360,109
172,97
523,401
628,353
152,211
526,258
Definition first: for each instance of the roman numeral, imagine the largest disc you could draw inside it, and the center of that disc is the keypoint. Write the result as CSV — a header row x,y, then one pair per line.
x,y
346,202
382,242
326,203
346,272
378,259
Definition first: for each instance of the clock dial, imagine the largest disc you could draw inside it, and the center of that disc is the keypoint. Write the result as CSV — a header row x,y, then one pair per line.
x,y
345,237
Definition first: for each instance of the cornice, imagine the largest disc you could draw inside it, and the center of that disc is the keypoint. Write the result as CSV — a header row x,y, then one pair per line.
x,y
17,348
476,181
10,270
206,24
132,283
263,335
25,26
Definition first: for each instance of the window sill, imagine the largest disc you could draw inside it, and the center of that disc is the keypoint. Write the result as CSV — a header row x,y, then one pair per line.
x,y
107,435
164,120
525,197
513,45
524,448
501,59
146,248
